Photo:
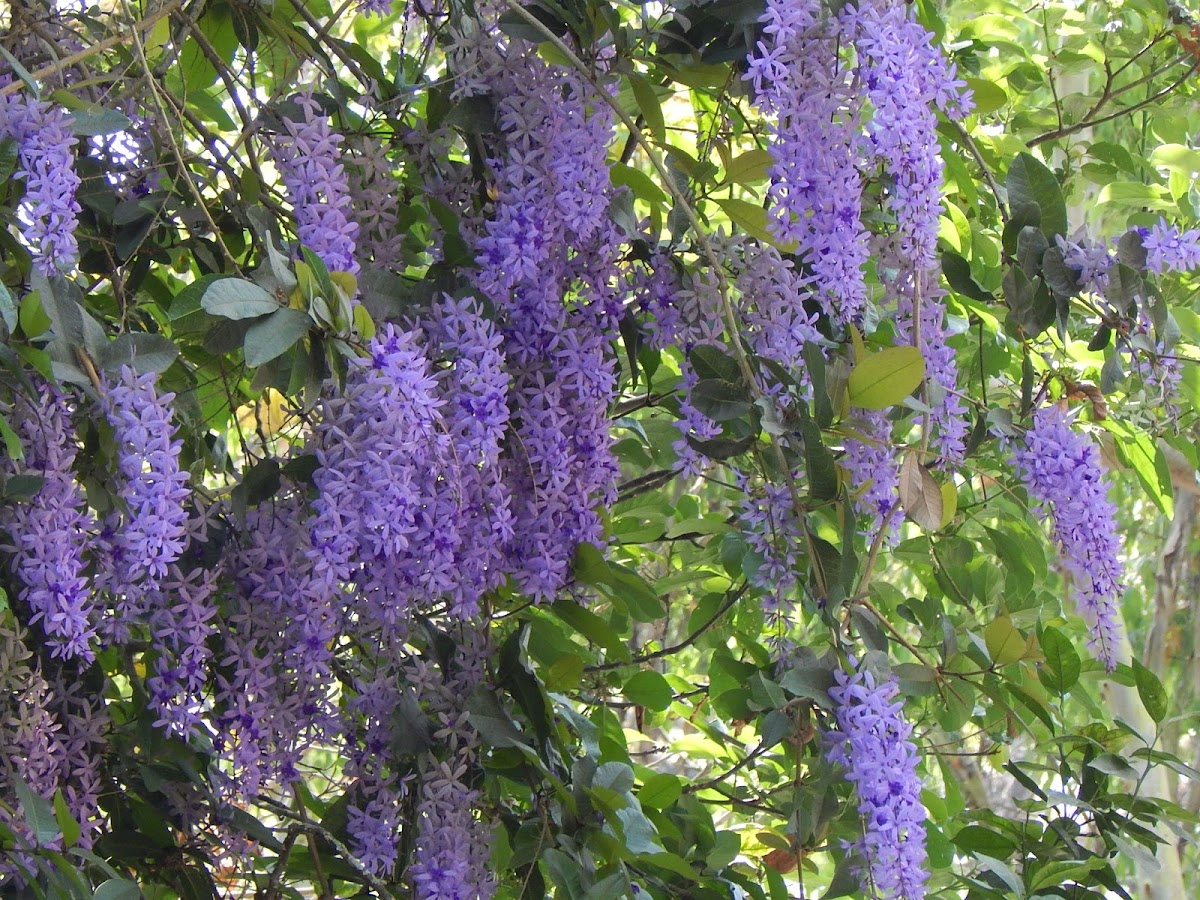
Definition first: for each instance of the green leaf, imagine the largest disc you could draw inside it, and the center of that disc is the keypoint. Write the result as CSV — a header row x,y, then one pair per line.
x,y
236,298
750,167
885,378
1062,665
660,791
97,120
67,824
978,839
8,309
275,335
1029,181
750,217
146,353
12,443
1151,691
118,889
719,400
38,812
1004,642
649,689
649,107
958,275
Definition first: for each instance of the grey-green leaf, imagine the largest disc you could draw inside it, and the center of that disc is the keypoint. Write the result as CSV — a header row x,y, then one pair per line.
x,y
275,335
146,353
236,298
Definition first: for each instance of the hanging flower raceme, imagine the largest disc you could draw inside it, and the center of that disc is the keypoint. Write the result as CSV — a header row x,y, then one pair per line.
x,y
453,842
50,532
907,78
1060,468
309,154
49,213
873,744
816,187
153,488
874,468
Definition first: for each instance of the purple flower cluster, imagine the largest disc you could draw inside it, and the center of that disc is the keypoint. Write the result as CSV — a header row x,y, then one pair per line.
x,y
376,205
1060,468
453,842
873,743
816,188
45,148
50,738
1170,250
378,444
906,78
50,533
182,609
308,154
771,292
274,681
380,8
547,260
873,468
775,535
948,416
153,489
452,851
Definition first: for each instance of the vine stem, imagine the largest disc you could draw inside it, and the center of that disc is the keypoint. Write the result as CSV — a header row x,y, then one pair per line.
x,y
99,47
718,268
156,95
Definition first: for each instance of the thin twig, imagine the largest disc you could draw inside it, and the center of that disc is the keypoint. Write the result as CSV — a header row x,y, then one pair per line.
x,y
99,47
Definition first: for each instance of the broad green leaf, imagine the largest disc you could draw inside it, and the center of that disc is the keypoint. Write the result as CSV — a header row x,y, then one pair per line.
x,y
275,335
750,217
649,689
1004,643
38,812
1030,182
1151,692
885,378
145,353
751,167
67,823
660,791
118,889
1062,666
236,298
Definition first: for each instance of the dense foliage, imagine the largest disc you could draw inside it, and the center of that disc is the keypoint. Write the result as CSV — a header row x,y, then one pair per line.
x,y
457,448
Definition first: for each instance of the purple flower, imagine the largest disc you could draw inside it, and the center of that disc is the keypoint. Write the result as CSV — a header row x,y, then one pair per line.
x,y
50,532
873,743
816,187
153,488
906,78
45,149
1170,250
374,187
309,157
380,8
873,467
1061,470
775,535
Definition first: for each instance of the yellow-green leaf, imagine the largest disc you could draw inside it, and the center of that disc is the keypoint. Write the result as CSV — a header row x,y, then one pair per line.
x,y
1004,643
651,110
751,167
885,378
